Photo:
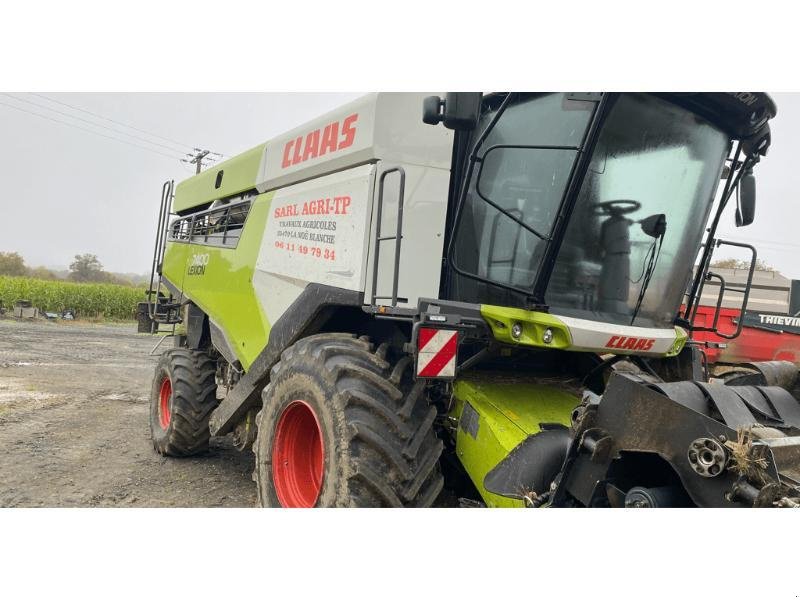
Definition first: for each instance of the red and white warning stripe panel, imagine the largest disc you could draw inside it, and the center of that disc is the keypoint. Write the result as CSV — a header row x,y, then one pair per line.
x,y
436,352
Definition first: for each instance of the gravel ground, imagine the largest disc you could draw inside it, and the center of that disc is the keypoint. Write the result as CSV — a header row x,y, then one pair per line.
x,y
74,425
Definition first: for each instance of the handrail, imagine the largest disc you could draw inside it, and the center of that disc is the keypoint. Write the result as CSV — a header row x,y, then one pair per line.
x,y
199,225
398,237
722,289
159,247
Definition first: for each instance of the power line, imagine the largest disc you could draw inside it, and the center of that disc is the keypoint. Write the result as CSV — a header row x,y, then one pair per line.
x,y
774,244
88,130
768,242
778,249
92,123
88,112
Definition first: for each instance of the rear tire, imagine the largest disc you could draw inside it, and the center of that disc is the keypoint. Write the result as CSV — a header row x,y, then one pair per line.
x,y
181,400
343,424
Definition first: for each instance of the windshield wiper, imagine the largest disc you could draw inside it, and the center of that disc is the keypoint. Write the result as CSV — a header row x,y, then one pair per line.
x,y
655,226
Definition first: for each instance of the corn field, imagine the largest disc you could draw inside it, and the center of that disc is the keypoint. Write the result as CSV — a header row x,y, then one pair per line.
x,y
88,300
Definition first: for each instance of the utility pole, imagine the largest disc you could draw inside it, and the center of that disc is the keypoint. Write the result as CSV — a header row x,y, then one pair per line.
x,y
197,158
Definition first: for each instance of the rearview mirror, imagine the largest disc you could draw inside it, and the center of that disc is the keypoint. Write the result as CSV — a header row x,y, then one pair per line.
x,y
746,211
655,225
459,110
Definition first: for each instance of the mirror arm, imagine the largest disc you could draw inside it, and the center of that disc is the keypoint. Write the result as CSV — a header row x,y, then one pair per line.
x,y
733,183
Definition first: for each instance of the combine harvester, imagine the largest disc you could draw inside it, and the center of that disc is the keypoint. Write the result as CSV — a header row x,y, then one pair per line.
x,y
478,294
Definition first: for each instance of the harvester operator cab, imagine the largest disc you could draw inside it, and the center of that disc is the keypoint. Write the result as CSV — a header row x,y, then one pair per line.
x,y
594,206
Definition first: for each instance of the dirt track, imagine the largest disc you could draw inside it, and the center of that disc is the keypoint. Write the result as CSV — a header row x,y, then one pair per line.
x,y
74,425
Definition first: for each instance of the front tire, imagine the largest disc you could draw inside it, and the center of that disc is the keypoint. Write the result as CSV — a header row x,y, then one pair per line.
x,y
181,401
344,424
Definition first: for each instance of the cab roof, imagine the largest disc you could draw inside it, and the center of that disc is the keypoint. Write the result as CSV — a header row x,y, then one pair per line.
x,y
740,114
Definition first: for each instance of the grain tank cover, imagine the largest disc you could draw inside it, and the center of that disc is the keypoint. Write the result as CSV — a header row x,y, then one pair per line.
x,y
385,126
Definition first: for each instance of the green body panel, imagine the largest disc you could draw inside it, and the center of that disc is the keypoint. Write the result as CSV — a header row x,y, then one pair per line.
x,y
534,324
239,175
680,341
510,408
174,265
224,290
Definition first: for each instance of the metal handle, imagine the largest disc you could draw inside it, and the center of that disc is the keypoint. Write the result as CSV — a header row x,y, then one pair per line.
x,y
722,289
398,237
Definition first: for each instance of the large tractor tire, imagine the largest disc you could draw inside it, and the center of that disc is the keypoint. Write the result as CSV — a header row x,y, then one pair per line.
x,y
343,424
181,400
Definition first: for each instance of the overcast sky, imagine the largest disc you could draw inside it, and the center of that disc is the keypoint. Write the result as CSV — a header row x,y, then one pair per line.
x,y
68,191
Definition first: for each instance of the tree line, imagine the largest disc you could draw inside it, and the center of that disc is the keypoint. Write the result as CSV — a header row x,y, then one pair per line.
x,y
734,263
85,268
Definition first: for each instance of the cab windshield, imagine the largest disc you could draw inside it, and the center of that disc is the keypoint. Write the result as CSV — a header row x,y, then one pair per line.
x,y
631,241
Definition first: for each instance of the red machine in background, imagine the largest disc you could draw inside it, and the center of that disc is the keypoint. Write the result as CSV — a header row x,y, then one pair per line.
x,y
769,317
764,336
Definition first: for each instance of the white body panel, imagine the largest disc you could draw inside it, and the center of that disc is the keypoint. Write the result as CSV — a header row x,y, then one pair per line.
x,y
336,246
596,336
421,249
386,126
283,269
317,230
276,293
337,159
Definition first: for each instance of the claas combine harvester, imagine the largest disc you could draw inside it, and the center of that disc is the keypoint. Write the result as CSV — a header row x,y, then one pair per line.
x,y
474,299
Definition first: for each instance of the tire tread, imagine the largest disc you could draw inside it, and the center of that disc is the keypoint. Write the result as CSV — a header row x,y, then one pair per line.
x,y
392,445
193,400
